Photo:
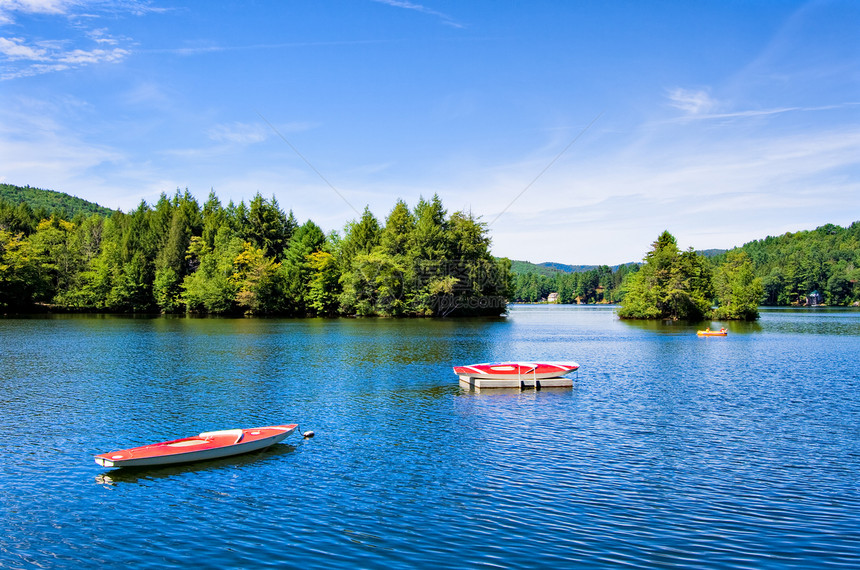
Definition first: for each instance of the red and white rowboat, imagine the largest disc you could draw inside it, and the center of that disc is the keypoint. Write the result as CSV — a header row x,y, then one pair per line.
x,y
207,445
516,370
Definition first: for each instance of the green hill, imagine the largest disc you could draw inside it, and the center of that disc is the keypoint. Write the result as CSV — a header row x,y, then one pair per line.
x,y
47,202
820,266
519,267
547,268
550,268
564,268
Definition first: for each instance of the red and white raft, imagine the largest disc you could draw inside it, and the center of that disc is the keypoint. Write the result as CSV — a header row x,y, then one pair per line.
x,y
207,445
516,374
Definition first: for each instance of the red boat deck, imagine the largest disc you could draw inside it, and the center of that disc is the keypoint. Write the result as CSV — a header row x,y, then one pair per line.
x,y
207,445
477,384
516,375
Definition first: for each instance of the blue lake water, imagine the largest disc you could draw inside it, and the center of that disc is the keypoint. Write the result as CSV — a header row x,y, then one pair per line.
x,y
669,451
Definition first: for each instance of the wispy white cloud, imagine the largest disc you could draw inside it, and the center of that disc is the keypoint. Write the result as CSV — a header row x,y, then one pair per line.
x,y
14,50
148,93
35,145
692,101
25,60
102,37
239,133
82,46
8,8
699,105
716,192
446,19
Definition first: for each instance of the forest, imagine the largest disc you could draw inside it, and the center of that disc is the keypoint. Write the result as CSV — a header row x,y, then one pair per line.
x,y
601,284
820,267
176,257
65,253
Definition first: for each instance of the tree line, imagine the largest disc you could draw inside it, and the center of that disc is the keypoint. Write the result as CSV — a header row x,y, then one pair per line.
x,y
797,268
601,284
176,256
820,266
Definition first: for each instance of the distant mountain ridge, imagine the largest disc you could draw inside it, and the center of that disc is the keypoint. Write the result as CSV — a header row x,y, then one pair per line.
x,y
47,202
550,268
547,267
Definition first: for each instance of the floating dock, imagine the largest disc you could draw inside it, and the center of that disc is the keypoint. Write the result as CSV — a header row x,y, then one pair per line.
x,y
520,383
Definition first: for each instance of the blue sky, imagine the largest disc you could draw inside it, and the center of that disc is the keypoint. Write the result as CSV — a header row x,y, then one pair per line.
x,y
579,130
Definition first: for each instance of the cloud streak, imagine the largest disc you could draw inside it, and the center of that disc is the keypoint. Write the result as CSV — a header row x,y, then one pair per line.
x,y
699,105
405,4
207,49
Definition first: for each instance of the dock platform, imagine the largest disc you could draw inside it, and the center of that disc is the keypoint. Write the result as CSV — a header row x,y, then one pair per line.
x,y
469,382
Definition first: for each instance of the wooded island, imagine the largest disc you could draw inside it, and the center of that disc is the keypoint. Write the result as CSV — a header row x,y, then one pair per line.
x,y
177,257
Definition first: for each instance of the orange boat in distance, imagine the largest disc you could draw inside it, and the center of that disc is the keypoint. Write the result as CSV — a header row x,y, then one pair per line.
x,y
708,332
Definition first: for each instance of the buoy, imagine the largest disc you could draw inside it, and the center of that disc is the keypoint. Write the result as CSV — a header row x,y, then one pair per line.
x,y
308,434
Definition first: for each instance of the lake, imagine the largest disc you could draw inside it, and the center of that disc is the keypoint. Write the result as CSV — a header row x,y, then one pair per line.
x,y
669,451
